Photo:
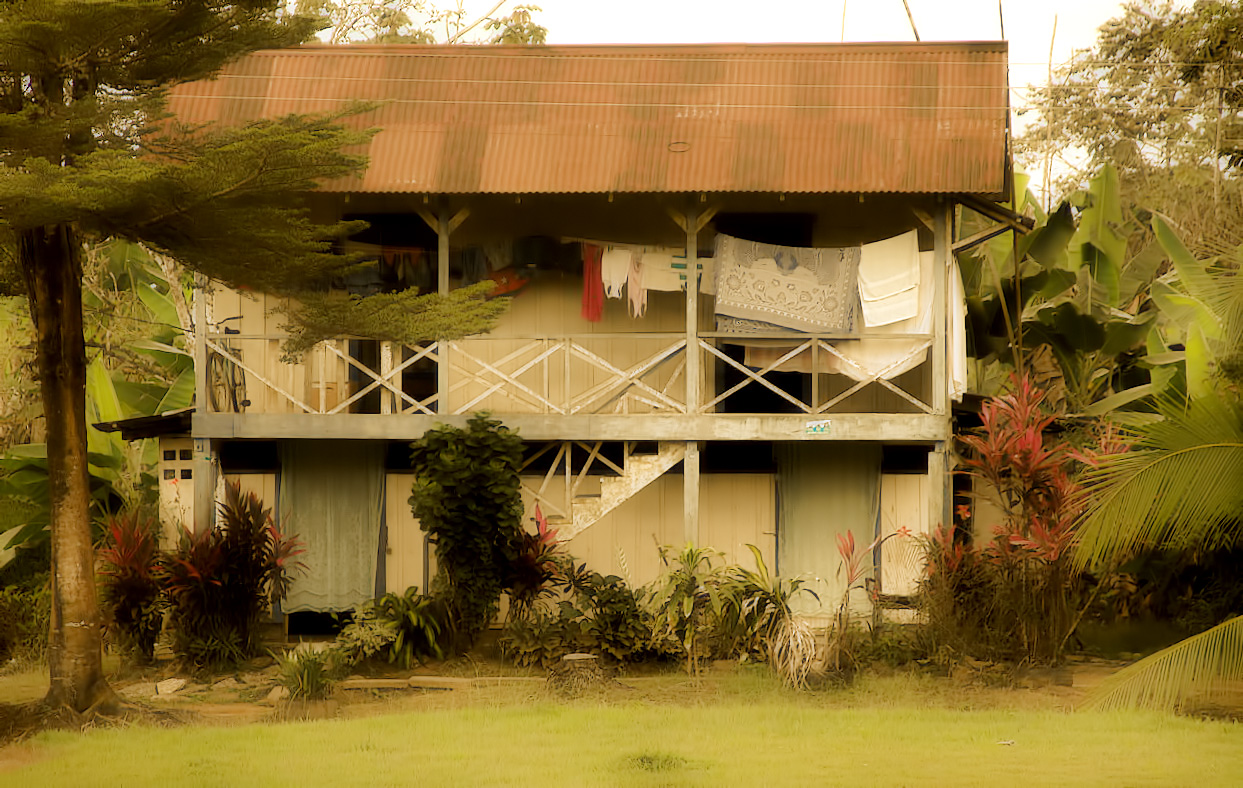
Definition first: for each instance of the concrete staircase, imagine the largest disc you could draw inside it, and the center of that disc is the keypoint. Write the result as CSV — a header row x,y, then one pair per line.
x,y
640,470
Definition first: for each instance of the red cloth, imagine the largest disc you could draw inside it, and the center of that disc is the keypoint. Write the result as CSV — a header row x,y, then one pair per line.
x,y
593,284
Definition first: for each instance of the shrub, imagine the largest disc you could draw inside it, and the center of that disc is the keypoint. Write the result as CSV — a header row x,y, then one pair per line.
x,y
1012,599
466,496
420,622
365,636
25,615
686,605
764,624
130,583
221,582
600,615
308,674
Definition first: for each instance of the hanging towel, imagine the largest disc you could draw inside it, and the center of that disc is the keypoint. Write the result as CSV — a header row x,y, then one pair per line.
x,y
797,288
889,281
593,284
635,288
614,269
659,272
870,355
957,303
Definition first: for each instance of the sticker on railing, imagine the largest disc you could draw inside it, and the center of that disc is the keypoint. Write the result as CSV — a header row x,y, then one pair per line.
x,y
818,427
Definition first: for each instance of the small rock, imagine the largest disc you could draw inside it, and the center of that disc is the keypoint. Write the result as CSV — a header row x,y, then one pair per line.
x,y
169,686
228,682
143,689
277,694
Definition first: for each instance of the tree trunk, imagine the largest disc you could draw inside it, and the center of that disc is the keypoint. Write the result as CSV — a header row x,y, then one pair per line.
x,y
51,264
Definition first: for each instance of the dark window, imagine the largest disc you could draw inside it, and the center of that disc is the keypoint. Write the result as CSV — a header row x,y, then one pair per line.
x,y
186,454
902,458
186,473
170,454
169,473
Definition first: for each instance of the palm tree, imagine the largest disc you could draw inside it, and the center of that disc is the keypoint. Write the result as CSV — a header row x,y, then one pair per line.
x,y
1180,486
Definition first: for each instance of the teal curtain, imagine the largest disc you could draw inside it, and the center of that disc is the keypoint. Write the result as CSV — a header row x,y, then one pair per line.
x,y
331,496
824,489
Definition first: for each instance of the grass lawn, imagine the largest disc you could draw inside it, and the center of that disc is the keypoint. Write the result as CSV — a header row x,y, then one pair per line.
x,y
741,731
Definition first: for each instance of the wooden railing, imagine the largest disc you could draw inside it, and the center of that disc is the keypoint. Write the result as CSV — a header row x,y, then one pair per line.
x,y
636,373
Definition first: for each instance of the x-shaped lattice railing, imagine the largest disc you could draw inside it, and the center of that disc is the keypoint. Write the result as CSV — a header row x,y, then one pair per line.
x,y
864,377
623,381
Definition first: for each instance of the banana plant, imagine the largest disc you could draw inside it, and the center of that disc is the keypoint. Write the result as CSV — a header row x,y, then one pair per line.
x,y
1086,295
144,375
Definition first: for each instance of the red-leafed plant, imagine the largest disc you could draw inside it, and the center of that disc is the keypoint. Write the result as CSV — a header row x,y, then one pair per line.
x,y
220,582
1012,598
854,564
130,588
534,567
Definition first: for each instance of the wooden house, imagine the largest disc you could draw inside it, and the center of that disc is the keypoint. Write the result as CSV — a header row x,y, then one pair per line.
x,y
778,221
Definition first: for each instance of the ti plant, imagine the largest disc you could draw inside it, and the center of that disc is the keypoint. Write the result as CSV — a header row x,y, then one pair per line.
x,y
855,564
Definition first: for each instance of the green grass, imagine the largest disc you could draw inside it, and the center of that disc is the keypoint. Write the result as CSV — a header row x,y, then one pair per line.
x,y
744,733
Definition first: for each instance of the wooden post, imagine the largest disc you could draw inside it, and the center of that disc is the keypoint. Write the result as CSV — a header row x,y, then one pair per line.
x,y
941,310
444,225
690,464
204,472
690,493
692,312
202,467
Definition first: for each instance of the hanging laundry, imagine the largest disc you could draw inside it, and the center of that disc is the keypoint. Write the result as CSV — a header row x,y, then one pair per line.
x,y
635,288
508,282
956,300
614,269
593,284
659,272
474,265
798,288
889,281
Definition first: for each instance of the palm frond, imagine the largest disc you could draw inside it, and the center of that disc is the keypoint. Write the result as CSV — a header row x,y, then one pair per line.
x,y
1180,486
1202,663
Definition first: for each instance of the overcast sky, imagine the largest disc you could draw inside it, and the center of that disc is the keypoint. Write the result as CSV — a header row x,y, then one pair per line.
x,y
1028,24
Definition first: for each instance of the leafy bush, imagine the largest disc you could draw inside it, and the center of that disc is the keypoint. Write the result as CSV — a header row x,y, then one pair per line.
x,y
1012,599
130,583
25,614
308,674
221,582
420,622
365,636
688,606
466,496
763,622
601,615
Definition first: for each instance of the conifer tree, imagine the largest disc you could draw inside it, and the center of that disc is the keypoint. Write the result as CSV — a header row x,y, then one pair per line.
x,y
85,154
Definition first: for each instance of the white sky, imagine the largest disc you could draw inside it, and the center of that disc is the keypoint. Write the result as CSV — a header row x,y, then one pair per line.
x,y
1028,24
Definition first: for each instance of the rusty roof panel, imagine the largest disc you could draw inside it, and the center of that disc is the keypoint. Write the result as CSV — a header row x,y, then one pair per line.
x,y
898,117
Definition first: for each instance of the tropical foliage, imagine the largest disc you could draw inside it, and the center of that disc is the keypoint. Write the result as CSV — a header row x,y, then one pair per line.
x,y
221,581
466,497
1176,488
130,585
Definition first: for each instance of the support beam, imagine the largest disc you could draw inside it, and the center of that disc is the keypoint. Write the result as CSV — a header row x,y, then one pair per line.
x,y
204,472
444,225
690,492
940,308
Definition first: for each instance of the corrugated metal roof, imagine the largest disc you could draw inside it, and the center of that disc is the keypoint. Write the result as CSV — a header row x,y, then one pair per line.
x,y
919,117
